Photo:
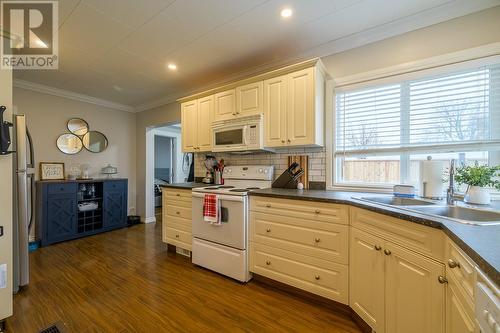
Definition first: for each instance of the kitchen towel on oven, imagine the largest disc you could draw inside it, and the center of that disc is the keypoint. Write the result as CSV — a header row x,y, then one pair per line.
x,y
211,209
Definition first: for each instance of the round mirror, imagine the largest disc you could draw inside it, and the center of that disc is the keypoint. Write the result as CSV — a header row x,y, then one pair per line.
x,y
69,144
95,142
78,126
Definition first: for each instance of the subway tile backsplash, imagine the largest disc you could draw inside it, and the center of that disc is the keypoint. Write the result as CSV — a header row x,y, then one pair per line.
x,y
279,158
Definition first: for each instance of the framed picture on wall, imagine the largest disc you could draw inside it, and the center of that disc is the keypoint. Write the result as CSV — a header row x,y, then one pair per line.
x,y
51,171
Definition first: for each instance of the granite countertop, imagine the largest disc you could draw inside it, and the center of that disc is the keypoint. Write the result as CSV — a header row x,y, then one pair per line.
x,y
480,243
186,186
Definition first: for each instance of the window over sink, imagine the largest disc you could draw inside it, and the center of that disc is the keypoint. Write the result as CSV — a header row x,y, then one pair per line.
x,y
384,128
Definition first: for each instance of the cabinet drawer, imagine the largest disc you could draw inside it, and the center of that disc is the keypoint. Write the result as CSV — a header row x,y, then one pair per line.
x,y
323,240
425,240
178,238
315,211
315,275
460,267
178,223
115,186
62,188
177,195
183,212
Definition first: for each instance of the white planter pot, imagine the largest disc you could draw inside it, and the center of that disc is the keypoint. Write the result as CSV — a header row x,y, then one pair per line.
x,y
478,195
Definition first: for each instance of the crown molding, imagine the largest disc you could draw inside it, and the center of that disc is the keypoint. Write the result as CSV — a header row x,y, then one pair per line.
x,y
44,89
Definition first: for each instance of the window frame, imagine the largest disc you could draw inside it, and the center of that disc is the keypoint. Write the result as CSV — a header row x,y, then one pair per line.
x,y
476,57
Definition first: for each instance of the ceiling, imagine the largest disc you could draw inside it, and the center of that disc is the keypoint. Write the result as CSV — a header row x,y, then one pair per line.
x,y
117,50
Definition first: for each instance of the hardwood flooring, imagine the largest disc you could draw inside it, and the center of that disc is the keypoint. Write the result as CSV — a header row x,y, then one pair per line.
x,y
126,281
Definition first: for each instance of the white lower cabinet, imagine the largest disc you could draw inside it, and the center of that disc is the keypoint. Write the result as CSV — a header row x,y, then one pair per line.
x,y
395,289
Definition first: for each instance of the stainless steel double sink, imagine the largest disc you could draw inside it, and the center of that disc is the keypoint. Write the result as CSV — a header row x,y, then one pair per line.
x,y
466,215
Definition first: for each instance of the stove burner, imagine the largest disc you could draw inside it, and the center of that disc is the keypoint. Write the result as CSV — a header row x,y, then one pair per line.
x,y
241,190
253,188
210,188
224,186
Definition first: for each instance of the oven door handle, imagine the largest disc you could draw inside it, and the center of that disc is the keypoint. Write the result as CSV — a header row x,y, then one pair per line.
x,y
223,197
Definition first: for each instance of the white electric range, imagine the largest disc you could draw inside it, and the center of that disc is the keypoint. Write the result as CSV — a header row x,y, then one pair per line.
x,y
224,248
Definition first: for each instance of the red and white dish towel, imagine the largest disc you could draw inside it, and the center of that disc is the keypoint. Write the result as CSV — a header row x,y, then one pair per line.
x,y
211,209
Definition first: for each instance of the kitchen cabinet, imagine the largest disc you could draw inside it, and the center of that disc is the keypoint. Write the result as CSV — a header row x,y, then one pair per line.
x,y
393,287
249,99
196,119
225,105
459,316
294,109
301,245
176,218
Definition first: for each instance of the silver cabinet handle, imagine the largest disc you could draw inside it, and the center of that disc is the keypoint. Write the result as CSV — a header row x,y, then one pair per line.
x,y
268,230
442,279
268,263
378,247
317,240
387,252
317,277
452,263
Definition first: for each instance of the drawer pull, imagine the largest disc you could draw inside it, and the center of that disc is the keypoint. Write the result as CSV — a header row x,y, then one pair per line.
x,y
176,236
378,247
317,240
452,263
387,252
268,263
177,213
282,141
178,195
317,211
61,189
268,230
268,206
442,279
317,277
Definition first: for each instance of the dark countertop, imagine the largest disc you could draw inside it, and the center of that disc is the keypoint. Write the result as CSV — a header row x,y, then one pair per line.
x,y
480,243
90,180
185,186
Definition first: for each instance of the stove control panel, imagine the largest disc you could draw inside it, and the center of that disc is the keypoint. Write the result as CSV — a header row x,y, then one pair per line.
x,y
257,172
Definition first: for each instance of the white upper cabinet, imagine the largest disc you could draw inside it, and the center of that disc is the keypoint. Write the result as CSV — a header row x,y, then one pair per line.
x,y
205,117
275,99
196,119
225,105
189,125
249,99
294,109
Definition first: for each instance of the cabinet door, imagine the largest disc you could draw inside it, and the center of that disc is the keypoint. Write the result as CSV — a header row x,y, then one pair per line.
x,y
115,209
189,125
205,116
275,102
300,108
61,217
249,99
458,319
366,278
414,298
225,105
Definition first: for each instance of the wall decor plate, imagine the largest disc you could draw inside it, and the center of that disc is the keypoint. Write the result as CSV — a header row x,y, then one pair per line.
x,y
51,171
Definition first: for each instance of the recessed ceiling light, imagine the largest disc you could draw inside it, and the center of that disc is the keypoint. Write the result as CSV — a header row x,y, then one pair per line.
x,y
286,12
172,67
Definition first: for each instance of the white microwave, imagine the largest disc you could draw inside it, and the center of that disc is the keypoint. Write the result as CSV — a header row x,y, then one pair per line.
x,y
238,135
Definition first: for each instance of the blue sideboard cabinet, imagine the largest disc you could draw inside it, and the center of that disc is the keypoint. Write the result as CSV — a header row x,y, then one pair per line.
x,y
61,213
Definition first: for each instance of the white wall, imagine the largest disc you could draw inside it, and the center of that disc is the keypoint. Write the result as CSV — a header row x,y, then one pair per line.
x,y
47,116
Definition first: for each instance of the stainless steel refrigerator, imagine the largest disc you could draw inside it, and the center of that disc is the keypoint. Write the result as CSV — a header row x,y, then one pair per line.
x,y
24,192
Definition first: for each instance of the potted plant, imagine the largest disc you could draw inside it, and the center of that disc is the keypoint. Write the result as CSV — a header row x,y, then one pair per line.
x,y
479,179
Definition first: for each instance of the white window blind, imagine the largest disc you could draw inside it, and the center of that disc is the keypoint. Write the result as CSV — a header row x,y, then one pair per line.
x,y
449,112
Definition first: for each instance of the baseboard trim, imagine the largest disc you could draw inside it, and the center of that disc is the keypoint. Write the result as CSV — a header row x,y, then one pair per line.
x,y
343,309
151,219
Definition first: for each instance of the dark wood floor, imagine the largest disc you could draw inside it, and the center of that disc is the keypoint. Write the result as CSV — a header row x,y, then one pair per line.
x,y
125,281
